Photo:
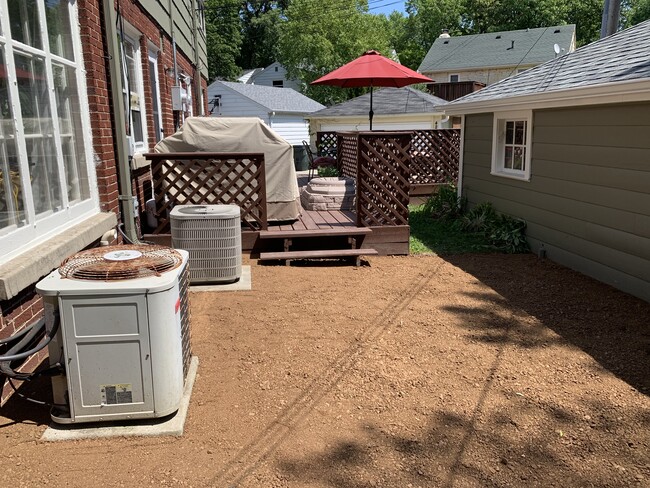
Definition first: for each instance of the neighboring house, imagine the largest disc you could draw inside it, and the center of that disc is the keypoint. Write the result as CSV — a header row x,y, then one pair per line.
x,y
247,74
273,75
565,147
394,109
282,109
65,174
488,58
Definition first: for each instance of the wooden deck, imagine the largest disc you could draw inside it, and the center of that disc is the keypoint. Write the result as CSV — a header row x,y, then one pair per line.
x,y
318,220
386,240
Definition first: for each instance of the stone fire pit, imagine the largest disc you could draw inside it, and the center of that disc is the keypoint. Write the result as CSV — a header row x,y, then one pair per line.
x,y
331,193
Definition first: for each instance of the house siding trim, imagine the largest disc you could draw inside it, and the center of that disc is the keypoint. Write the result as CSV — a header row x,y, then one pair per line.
x,y
606,93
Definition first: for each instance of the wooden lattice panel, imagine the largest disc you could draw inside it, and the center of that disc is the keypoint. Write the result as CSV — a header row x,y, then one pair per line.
x,y
347,153
383,178
326,143
435,156
209,179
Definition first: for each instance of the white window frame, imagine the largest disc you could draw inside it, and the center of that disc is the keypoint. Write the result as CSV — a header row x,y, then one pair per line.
x,y
132,36
457,78
16,240
499,143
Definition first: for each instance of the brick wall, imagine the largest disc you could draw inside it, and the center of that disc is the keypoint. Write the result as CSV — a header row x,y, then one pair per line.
x,y
27,307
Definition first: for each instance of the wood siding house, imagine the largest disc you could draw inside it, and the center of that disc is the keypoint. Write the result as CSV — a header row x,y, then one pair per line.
x,y
566,147
394,109
491,57
282,109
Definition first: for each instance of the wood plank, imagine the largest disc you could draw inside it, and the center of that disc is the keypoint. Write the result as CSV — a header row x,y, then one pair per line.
x,y
320,221
298,225
308,220
334,232
341,217
329,253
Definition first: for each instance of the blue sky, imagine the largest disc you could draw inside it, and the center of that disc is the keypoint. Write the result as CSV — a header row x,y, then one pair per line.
x,y
385,6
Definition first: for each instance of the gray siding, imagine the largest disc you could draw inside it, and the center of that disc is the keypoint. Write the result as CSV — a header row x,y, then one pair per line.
x,y
234,104
588,199
175,19
269,75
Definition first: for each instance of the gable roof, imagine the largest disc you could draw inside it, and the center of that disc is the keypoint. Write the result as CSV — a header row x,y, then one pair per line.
x,y
523,47
387,101
596,68
274,99
248,74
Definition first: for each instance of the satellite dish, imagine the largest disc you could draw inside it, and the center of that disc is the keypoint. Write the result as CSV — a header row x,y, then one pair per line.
x,y
556,48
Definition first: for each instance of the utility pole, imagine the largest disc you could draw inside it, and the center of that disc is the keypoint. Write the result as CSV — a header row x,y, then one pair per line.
x,y
611,15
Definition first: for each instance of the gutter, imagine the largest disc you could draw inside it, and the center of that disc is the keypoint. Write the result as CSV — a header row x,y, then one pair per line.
x,y
600,94
125,196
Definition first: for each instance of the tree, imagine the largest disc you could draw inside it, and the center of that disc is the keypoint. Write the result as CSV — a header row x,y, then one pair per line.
x,y
427,19
319,37
399,29
223,38
639,10
261,21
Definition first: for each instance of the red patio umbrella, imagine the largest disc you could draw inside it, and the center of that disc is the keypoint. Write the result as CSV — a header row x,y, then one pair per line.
x,y
372,69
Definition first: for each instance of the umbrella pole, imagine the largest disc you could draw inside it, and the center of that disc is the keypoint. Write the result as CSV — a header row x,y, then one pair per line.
x,y
371,112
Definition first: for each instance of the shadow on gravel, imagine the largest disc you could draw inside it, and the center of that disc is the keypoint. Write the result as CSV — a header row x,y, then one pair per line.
x,y
18,410
609,325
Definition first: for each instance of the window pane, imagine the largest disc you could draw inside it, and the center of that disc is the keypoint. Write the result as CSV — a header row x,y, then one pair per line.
x,y
23,18
37,121
518,161
69,113
138,135
507,162
520,132
509,132
57,13
12,205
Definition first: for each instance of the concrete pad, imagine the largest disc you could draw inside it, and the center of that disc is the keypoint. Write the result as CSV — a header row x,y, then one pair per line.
x,y
172,425
244,283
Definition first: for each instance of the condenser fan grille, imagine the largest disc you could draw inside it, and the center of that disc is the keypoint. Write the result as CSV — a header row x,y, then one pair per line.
x,y
114,263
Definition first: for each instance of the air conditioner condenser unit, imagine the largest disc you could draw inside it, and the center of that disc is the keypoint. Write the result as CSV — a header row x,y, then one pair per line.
x,y
211,234
124,338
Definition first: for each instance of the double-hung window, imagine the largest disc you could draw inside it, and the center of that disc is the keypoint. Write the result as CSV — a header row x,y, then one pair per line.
x,y
134,94
46,168
511,144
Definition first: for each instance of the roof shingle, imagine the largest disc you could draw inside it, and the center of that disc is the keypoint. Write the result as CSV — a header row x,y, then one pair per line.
x,y
523,47
273,98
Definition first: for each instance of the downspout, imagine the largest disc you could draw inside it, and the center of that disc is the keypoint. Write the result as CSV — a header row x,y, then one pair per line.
x,y
461,157
114,52
198,89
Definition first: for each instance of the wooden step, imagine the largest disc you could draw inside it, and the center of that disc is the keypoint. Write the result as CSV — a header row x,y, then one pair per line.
x,y
337,231
329,253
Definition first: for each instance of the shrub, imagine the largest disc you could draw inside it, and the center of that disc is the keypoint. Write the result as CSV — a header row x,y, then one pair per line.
x,y
327,171
478,219
445,205
509,235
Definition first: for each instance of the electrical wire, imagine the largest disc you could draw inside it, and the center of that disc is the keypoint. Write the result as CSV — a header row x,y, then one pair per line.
x,y
33,400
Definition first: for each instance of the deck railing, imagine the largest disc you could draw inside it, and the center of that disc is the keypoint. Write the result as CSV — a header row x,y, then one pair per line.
x,y
379,161
435,156
209,179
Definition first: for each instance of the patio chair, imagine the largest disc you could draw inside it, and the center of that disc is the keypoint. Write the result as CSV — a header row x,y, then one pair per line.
x,y
316,162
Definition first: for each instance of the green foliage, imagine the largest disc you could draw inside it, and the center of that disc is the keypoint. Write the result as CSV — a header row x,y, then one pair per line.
x,y
430,236
327,171
445,204
261,23
316,40
494,231
639,10
508,234
223,39
478,219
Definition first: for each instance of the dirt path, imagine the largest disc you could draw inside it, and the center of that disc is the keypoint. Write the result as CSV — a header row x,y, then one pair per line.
x,y
410,372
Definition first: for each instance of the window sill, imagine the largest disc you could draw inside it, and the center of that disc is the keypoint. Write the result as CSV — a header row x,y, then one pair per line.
x,y
510,175
26,269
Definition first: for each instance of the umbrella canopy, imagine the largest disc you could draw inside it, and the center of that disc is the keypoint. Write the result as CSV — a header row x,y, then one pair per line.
x,y
372,69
